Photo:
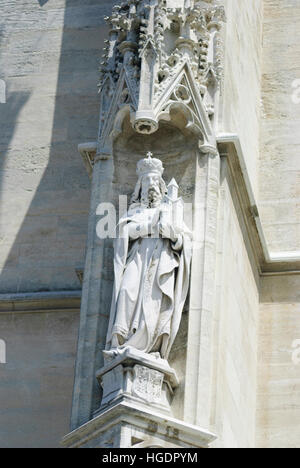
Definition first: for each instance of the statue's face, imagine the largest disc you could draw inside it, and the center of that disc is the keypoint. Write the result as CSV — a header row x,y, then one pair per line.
x,y
151,193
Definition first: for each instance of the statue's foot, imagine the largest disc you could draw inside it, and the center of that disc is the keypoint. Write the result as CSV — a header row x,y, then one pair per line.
x,y
156,355
110,353
114,352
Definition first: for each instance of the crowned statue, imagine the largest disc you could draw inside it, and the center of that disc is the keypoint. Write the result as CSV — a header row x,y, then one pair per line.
x,y
151,267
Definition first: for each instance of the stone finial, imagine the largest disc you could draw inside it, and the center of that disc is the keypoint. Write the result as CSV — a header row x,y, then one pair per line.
x,y
173,190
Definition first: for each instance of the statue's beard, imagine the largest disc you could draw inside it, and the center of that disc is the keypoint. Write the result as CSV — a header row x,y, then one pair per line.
x,y
151,198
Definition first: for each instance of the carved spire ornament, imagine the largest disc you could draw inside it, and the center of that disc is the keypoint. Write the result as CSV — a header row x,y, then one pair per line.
x,y
161,57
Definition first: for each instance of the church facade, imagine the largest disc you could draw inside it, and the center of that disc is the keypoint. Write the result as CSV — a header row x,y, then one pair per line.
x,y
150,238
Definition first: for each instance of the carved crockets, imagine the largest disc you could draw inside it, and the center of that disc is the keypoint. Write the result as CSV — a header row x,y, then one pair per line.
x,y
161,54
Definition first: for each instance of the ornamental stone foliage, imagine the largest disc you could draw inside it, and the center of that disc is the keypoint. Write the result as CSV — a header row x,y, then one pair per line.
x,y
160,58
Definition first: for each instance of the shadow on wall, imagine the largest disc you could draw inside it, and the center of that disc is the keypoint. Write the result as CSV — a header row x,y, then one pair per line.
x,y
46,190
50,242
2,92
11,103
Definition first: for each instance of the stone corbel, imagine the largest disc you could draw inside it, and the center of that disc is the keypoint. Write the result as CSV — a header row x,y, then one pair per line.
x,y
91,155
137,377
88,153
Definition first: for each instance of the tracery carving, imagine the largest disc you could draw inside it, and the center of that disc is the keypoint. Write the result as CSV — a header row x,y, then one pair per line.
x,y
153,50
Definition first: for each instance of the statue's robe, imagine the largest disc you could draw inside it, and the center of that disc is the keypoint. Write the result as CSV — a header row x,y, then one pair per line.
x,y
151,285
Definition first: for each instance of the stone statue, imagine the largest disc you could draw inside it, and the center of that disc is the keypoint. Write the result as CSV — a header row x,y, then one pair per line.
x,y
151,266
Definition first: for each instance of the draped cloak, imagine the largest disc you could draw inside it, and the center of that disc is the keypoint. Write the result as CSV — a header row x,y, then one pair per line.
x,y
151,284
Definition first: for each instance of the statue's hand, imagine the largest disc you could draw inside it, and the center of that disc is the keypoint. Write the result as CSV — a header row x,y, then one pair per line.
x,y
167,231
141,230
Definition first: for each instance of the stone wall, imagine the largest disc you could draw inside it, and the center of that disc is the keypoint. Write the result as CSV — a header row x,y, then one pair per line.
x,y
240,112
49,53
278,377
278,405
37,379
236,324
280,136
49,60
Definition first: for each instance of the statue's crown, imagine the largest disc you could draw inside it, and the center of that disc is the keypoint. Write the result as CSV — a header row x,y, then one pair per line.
x,y
149,164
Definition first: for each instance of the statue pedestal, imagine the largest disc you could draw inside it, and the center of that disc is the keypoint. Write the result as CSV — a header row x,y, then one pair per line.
x,y
135,409
135,377
129,425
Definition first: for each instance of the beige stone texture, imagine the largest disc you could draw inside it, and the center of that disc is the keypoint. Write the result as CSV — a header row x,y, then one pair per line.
x,y
240,103
278,394
49,61
279,175
278,398
49,53
37,380
235,330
